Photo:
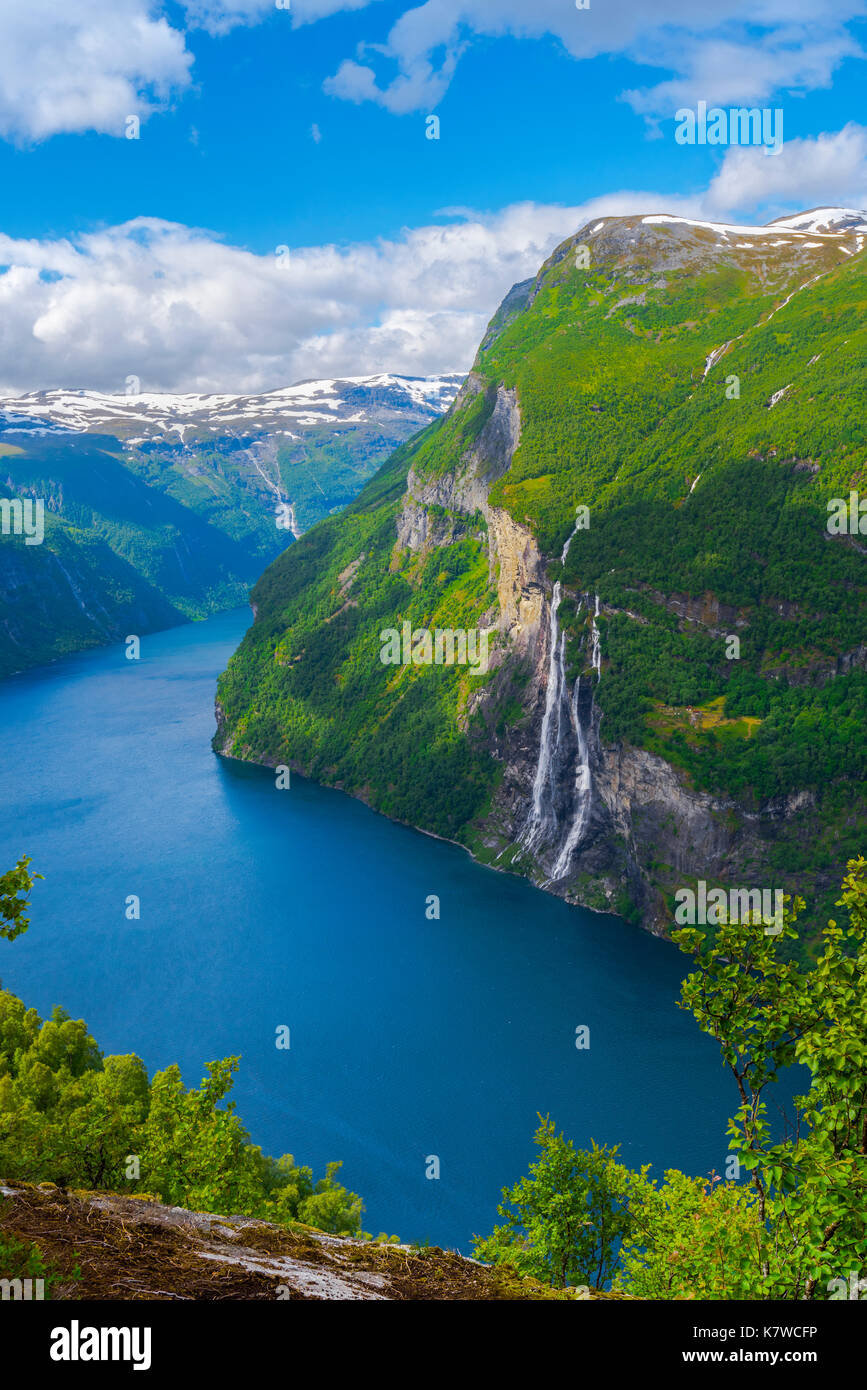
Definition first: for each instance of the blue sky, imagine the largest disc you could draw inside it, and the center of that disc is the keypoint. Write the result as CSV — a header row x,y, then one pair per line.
x,y
263,127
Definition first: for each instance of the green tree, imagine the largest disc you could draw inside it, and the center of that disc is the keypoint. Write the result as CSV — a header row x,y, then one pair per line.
x,y
325,1204
71,1116
15,887
691,1238
565,1220
192,1151
97,1121
768,1013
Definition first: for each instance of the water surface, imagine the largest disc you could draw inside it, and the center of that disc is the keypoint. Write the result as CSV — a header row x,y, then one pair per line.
x,y
301,907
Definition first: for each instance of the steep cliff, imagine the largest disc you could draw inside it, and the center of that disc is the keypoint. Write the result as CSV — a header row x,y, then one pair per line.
x,y
630,496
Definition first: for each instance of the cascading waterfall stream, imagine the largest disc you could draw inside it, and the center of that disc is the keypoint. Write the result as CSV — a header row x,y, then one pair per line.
x,y
596,648
542,821
583,791
583,794
542,809
542,814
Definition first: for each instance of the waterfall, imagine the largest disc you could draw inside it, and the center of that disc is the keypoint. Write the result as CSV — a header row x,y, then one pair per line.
x,y
596,649
562,718
583,791
542,809
542,814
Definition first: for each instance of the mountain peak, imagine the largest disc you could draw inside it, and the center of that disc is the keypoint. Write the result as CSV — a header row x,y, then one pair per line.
x,y
824,221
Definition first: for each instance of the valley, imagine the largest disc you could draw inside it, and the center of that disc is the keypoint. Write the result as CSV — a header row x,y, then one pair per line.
x,y
163,509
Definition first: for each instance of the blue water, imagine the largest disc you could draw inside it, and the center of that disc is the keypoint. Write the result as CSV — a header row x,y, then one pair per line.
x,y
303,908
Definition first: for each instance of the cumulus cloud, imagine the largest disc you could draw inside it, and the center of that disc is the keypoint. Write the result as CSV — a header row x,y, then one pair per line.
x,y
730,71
84,65
419,86
830,170
184,311
733,50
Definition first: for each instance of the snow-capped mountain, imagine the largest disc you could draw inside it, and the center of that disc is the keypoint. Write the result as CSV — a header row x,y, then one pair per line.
x,y
822,222
825,221
290,410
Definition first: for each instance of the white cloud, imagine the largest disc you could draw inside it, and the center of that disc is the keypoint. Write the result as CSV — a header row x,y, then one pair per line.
x,y
84,65
732,50
420,87
183,311
830,170
87,64
727,71
219,16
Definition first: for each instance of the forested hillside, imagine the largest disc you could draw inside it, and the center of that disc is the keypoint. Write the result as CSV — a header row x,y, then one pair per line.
x,y
698,389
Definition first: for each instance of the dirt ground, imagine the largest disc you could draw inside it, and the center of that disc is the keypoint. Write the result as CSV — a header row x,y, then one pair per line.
x,y
101,1246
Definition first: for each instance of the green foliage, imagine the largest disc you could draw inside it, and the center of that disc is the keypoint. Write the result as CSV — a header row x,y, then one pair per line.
x,y
307,685
564,1222
768,1013
690,1238
15,887
324,1204
801,1225
70,1116
143,537
120,553
23,1259
583,1219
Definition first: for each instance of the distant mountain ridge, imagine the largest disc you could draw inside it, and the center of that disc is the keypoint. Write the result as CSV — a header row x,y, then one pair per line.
x,y
152,415
160,508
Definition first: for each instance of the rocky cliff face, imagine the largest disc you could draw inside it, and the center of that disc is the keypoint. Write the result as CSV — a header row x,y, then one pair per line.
x,y
627,806
608,831
515,564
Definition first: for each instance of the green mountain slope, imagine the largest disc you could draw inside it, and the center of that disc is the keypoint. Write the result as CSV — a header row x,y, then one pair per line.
x,y
118,556
311,685
700,390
